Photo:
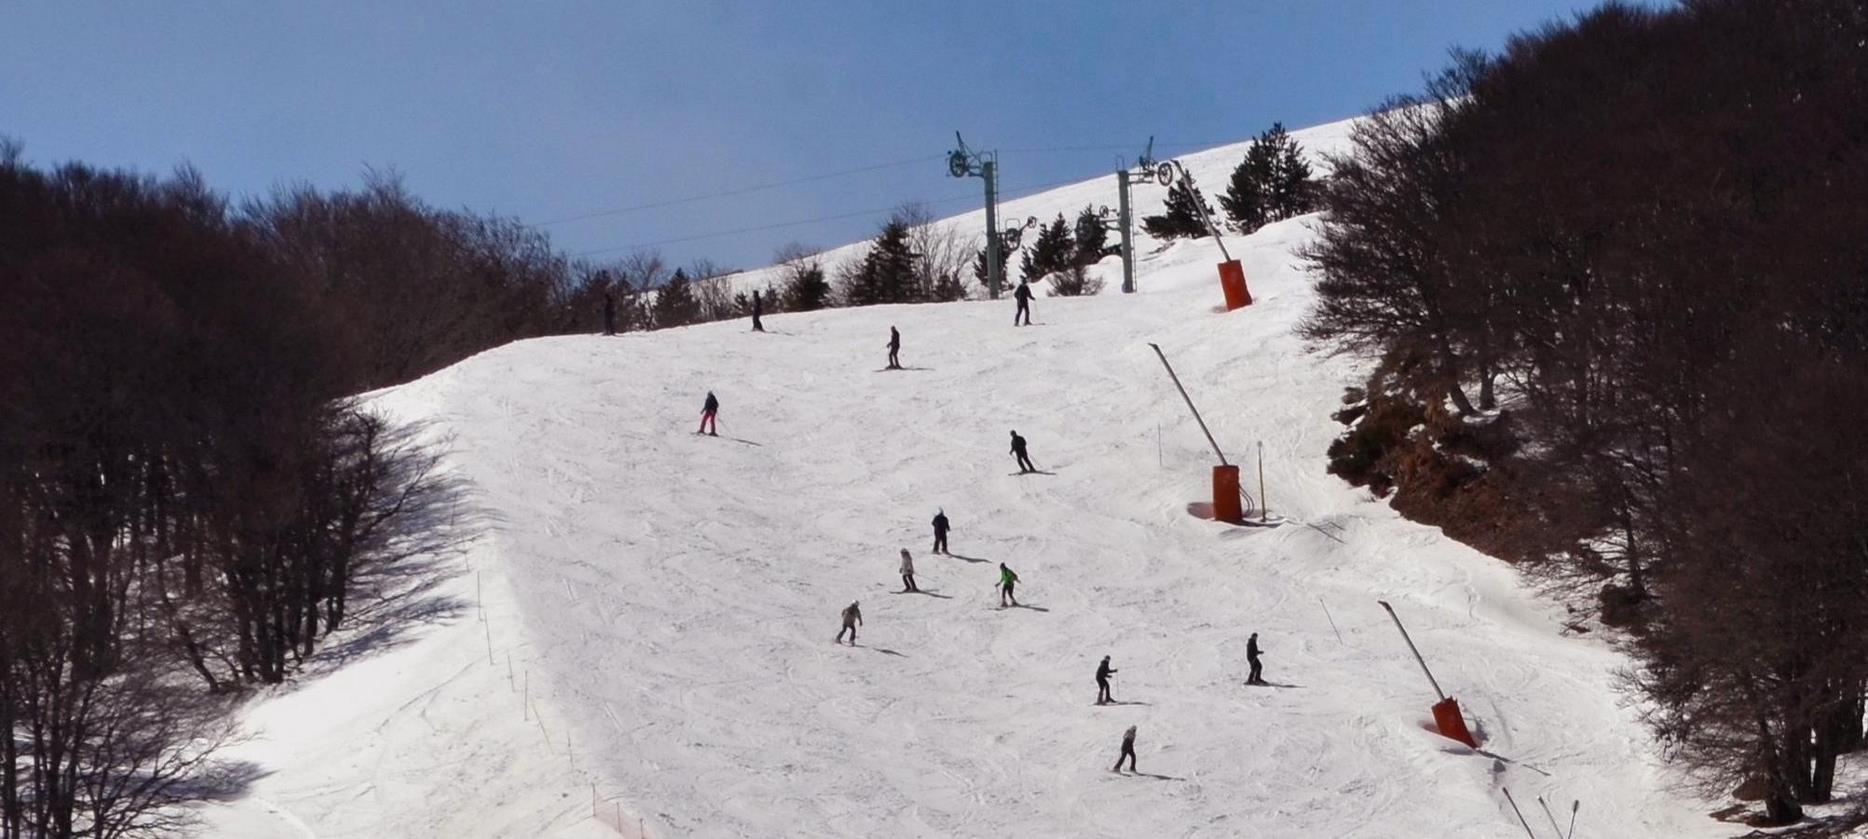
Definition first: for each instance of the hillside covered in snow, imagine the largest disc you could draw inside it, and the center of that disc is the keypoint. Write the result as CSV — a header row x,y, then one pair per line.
x,y
645,638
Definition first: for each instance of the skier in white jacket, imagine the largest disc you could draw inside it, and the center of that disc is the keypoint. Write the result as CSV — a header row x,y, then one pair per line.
x,y
908,572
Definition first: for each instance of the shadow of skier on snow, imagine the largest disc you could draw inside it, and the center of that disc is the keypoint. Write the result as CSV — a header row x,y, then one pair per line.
x,y
1028,606
968,558
886,651
1156,777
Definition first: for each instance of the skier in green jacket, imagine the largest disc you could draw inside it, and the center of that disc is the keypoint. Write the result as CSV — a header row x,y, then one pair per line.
x,y
1007,579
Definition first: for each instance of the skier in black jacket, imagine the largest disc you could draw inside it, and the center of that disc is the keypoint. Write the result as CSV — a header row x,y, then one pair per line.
x,y
1251,657
940,531
709,409
758,308
609,313
895,348
1128,750
1103,672
1023,295
1018,450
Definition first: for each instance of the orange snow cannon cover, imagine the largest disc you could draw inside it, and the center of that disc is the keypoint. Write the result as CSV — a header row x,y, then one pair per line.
x,y
1451,722
1226,494
1232,281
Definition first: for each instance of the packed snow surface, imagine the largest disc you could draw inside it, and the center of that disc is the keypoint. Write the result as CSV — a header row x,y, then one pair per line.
x,y
668,600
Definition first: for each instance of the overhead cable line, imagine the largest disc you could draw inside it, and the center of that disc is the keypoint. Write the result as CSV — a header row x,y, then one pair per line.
x,y
755,229
740,191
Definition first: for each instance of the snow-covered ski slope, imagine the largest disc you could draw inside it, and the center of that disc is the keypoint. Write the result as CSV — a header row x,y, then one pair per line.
x,y
671,599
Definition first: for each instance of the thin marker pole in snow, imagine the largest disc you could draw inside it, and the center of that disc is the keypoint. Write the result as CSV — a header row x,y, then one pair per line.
x,y
1264,505
1326,614
509,678
1574,804
1514,809
489,641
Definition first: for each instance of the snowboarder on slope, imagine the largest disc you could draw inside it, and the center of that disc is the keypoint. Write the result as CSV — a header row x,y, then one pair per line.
x,y
940,531
1018,450
1251,657
709,409
1128,750
609,313
1023,295
908,572
852,617
895,348
1007,580
1103,672
758,308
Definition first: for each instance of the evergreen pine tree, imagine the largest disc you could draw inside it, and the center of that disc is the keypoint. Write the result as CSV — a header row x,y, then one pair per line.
x,y
887,274
1248,195
1271,184
675,304
947,289
1074,281
1292,191
1182,219
1053,251
1092,238
808,290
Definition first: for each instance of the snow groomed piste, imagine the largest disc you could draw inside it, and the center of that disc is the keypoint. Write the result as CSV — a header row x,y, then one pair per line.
x,y
670,598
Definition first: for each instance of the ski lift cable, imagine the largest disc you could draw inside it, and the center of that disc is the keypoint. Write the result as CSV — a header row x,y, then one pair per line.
x,y
776,226
739,191
828,175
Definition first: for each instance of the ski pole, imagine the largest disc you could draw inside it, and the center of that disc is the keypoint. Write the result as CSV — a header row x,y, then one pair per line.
x,y
1326,614
1514,809
1574,804
1547,814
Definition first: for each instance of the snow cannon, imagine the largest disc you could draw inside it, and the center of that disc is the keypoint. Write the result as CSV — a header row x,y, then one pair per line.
x,y
1226,495
1231,273
1447,717
1232,282
1451,723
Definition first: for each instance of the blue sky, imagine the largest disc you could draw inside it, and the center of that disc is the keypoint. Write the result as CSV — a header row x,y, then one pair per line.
x,y
552,110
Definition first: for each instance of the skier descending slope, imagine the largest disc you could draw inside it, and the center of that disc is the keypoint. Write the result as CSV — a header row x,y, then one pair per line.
x,y
1007,580
1103,672
1023,295
908,572
1128,750
1018,451
852,617
709,410
1251,657
895,349
940,531
758,308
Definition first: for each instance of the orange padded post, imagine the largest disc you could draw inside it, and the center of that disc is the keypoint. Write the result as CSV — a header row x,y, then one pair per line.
x,y
1451,722
1232,281
1226,494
